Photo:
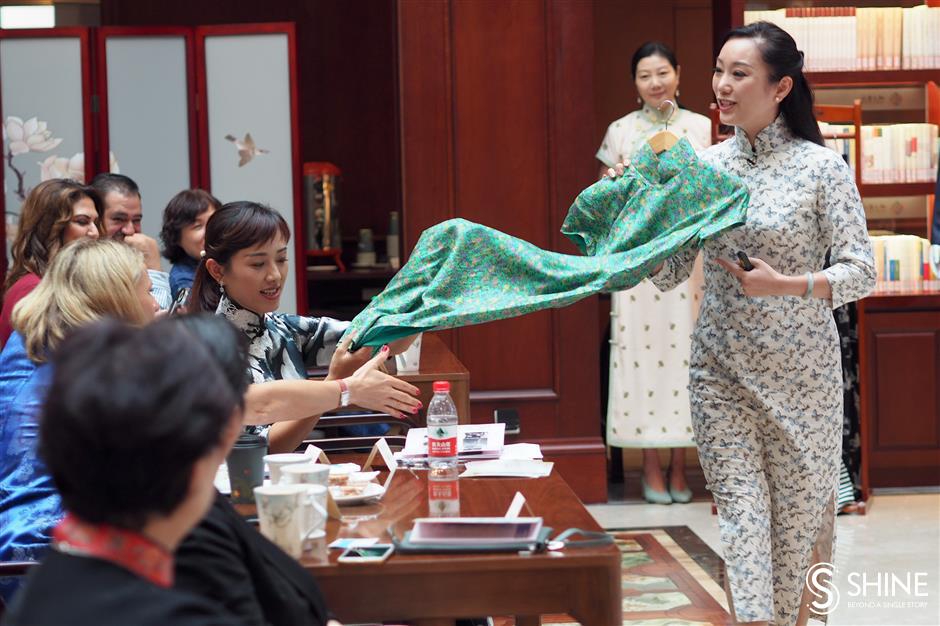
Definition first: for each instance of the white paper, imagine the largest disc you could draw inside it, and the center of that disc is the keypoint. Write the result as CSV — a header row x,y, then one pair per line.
x,y
513,468
521,451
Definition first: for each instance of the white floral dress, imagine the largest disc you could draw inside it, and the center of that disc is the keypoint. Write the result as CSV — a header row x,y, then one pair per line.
x,y
765,375
648,401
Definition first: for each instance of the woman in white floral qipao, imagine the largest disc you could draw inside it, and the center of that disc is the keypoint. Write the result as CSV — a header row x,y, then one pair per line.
x,y
765,375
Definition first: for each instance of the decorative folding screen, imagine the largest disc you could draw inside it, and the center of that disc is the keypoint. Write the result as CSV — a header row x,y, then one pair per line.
x,y
249,126
45,99
149,82
145,89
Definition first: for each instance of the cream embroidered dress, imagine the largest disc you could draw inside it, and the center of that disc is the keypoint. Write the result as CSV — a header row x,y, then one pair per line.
x,y
766,379
648,401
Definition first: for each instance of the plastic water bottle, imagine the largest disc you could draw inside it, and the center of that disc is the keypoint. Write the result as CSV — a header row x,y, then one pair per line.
x,y
442,428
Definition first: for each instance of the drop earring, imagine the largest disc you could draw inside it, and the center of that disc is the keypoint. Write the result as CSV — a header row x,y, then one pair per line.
x,y
639,101
677,93
221,288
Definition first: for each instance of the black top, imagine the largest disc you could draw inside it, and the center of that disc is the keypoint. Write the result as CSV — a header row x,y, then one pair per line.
x,y
228,561
70,589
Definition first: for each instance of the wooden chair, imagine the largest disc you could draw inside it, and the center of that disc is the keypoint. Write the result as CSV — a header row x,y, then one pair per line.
x,y
845,114
331,442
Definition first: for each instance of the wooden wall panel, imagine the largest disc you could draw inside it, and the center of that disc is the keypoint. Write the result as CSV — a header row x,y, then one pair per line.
x,y
899,366
518,88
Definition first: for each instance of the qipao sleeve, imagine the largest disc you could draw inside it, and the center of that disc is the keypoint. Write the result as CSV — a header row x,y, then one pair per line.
x,y
316,337
851,273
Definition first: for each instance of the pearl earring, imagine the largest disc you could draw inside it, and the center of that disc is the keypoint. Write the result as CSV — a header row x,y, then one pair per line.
x,y
639,101
677,93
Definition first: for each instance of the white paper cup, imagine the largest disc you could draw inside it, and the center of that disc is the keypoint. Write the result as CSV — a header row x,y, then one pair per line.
x,y
282,514
276,462
306,474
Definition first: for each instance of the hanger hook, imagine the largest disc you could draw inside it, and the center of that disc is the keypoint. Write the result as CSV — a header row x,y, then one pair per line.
x,y
672,110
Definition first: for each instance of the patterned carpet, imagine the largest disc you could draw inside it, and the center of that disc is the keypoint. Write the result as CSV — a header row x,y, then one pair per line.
x,y
670,578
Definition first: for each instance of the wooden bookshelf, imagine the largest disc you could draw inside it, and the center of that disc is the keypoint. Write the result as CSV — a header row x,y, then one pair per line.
x,y
868,78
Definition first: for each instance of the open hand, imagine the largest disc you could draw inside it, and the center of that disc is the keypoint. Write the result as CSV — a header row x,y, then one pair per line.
x,y
375,390
763,280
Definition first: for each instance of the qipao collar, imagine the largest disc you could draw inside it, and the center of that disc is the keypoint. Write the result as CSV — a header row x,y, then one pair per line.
x,y
768,140
249,322
658,169
655,116
124,548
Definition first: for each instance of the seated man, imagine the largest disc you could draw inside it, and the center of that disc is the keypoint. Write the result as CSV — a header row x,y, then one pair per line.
x,y
134,427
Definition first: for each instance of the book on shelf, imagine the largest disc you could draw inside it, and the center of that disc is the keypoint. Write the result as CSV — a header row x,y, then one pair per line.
x,y
837,39
892,153
835,137
902,263
899,153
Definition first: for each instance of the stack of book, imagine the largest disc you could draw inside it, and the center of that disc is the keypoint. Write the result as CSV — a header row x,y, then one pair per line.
x,y
836,39
902,263
899,153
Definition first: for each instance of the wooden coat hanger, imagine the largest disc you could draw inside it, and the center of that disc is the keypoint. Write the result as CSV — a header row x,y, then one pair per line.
x,y
664,139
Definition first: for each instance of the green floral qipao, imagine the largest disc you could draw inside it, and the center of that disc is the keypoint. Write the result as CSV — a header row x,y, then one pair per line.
x,y
462,273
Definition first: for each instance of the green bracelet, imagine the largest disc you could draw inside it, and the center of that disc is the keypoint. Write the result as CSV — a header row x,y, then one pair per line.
x,y
809,285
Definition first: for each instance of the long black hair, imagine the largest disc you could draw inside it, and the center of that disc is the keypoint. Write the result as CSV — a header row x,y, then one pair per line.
x,y
234,227
779,52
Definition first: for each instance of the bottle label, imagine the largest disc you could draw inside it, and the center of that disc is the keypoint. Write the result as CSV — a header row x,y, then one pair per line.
x,y
442,441
443,498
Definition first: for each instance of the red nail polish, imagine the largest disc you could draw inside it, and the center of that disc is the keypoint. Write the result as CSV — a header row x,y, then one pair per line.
x,y
384,348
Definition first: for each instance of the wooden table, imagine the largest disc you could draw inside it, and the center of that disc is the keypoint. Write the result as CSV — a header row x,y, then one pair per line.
x,y
435,589
439,363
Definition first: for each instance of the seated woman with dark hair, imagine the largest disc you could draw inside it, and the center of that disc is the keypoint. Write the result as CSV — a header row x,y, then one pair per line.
x,y
241,277
87,280
134,463
184,234
55,212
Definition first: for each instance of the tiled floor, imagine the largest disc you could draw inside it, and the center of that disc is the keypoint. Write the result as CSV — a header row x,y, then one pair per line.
x,y
899,539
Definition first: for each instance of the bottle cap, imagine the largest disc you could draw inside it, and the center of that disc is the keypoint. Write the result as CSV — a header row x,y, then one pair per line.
x,y
441,385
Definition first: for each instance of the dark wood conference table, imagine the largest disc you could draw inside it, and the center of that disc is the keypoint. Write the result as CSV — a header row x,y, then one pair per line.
x,y
434,589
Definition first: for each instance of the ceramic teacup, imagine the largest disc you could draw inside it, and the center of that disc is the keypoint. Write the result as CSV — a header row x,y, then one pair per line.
x,y
277,462
283,517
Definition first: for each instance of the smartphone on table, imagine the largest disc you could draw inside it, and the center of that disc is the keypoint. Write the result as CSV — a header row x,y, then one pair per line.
x,y
375,553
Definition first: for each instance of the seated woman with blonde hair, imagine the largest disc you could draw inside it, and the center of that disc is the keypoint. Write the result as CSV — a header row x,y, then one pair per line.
x,y
86,281
55,212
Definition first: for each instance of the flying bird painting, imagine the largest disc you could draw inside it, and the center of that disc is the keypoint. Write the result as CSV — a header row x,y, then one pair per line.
x,y
247,150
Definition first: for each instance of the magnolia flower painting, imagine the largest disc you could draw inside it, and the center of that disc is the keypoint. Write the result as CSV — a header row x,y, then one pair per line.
x,y
21,137
33,136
